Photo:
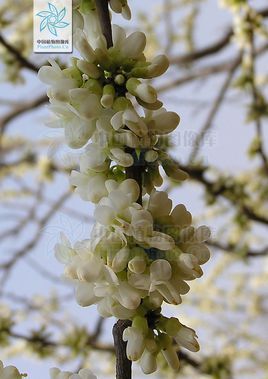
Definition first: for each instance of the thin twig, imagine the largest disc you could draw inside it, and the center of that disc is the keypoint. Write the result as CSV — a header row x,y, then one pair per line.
x,y
212,48
213,111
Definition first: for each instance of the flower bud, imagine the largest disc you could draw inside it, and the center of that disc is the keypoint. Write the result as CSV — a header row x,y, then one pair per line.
x,y
148,362
116,6
171,357
120,79
186,337
126,12
173,171
158,66
108,96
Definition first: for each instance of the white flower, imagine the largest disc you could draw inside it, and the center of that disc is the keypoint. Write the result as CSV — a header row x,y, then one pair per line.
x,y
90,186
94,158
83,46
159,280
132,120
121,6
161,121
77,129
171,356
94,280
158,66
59,82
148,362
120,291
142,230
141,90
183,335
133,45
114,209
9,372
135,336
135,342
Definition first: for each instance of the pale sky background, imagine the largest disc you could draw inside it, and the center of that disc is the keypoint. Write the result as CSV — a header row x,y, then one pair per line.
x,y
230,138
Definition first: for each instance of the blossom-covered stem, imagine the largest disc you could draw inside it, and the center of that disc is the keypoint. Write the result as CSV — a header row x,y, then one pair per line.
x,y
135,171
123,364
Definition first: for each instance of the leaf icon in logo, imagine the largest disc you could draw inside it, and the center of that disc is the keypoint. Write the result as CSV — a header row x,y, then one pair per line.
x,y
53,9
52,19
52,29
62,24
62,14
43,24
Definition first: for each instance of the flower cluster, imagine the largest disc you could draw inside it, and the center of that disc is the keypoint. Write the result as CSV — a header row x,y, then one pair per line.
x,y
84,373
142,250
117,6
11,372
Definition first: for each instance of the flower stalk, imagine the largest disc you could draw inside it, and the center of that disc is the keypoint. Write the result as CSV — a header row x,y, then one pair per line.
x,y
123,364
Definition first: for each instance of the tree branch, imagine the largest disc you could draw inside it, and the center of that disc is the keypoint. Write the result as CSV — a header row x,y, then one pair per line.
x,y
20,58
211,49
